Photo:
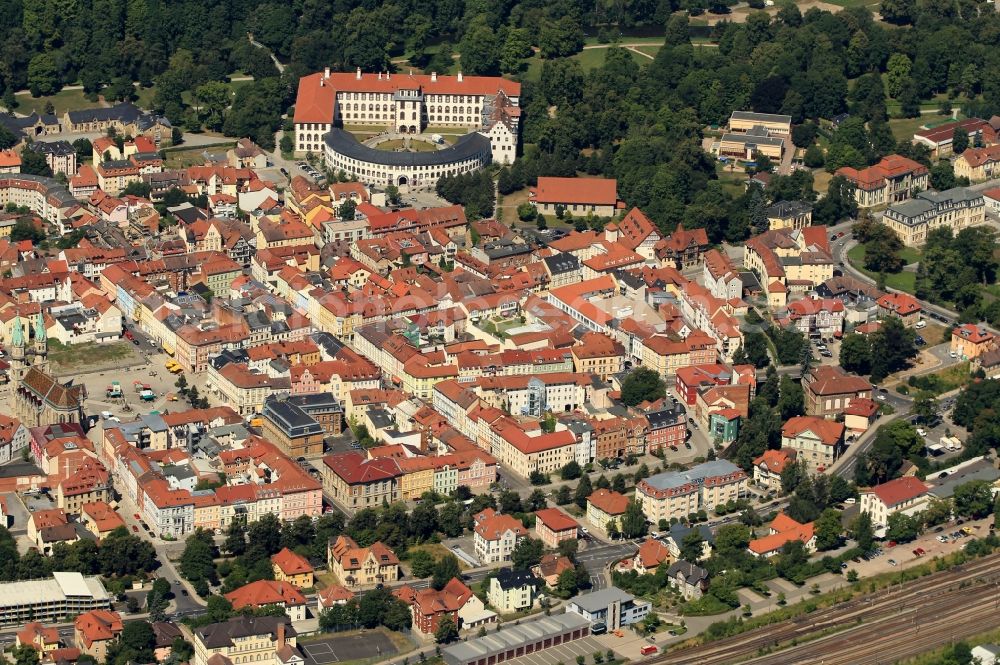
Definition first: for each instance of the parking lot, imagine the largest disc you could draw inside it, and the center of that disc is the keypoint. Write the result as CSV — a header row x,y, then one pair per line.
x,y
904,554
338,649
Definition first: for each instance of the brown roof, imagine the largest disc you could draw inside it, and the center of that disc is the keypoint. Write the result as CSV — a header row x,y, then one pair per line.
x,y
610,502
828,431
832,380
47,388
588,191
291,563
899,490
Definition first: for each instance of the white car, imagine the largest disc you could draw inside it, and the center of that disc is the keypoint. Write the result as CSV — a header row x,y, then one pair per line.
x,y
920,324
880,397
952,354
921,431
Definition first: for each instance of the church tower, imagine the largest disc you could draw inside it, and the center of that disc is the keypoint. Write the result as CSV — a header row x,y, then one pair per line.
x,y
41,350
18,363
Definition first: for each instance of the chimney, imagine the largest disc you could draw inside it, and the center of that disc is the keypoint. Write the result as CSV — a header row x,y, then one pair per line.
x,y
281,635
358,74
434,77
326,72
460,77
387,76
380,76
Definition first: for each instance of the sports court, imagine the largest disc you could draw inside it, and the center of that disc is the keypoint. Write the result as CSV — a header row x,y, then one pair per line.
x,y
339,649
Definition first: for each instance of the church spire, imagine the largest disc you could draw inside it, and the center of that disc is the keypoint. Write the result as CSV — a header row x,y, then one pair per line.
x,y
17,333
39,328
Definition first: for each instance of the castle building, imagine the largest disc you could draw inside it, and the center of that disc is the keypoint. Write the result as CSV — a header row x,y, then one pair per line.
x,y
406,104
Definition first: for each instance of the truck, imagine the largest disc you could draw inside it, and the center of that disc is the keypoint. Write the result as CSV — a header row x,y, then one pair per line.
x,y
951,442
147,395
140,386
176,369
114,390
170,364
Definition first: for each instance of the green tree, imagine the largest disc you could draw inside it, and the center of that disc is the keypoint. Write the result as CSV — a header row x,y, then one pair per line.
x,y
692,546
515,48
828,530
527,553
446,631
421,564
571,471
583,490
444,570
899,12
34,163
642,384
480,51
855,354
959,141
973,499
864,532
633,521
212,100
560,38
897,73
43,75
902,527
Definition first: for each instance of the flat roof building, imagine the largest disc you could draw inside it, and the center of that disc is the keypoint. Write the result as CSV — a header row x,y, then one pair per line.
x,y
516,641
63,596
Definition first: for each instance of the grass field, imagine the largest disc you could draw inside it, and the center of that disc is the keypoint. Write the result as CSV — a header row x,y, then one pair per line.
x,y
588,59
902,281
904,128
90,356
415,145
64,100
181,159
436,550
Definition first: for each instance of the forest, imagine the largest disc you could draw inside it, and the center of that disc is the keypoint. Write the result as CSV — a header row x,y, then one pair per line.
x,y
640,123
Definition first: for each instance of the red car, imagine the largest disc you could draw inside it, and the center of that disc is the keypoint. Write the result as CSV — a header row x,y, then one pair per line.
x,y
919,551
136,516
135,529
648,650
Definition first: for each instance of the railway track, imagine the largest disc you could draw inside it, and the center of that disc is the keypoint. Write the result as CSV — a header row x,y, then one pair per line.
x,y
945,592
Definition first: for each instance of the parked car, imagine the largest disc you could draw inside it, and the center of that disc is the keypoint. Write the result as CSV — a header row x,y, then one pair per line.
x,y
892,562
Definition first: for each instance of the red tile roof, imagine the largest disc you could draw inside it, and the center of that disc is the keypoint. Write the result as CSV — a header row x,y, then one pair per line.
x,y
903,304
265,592
491,525
586,191
652,553
899,490
609,501
555,519
291,563
973,333
776,460
828,431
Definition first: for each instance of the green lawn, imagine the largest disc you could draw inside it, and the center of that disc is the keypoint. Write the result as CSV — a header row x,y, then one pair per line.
x,y
904,128
588,59
649,50
902,281
64,100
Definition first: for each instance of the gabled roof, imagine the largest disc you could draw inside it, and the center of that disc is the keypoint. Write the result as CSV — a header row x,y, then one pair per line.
x,y
586,191
555,519
491,525
291,563
266,592
828,431
609,501
897,491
